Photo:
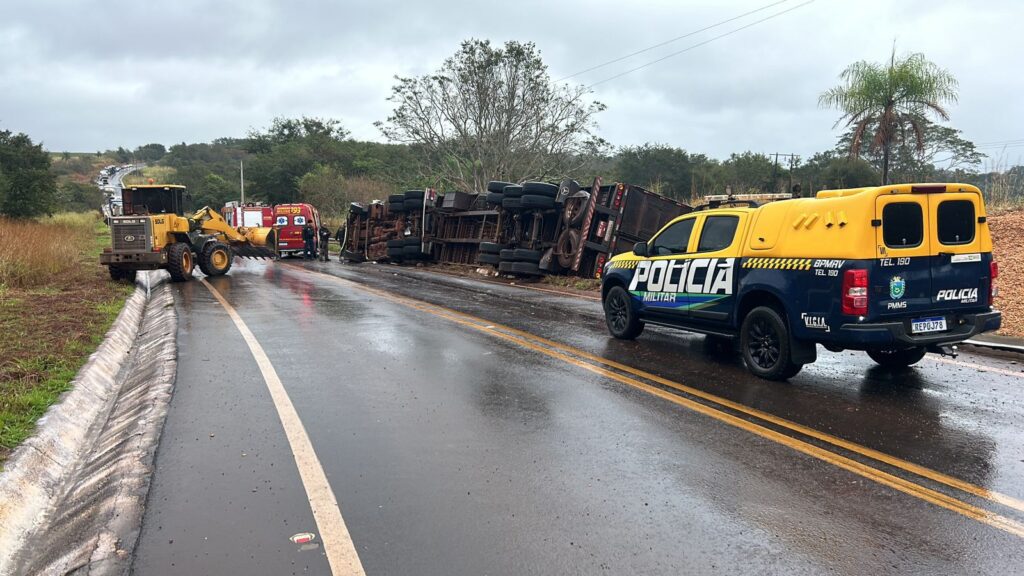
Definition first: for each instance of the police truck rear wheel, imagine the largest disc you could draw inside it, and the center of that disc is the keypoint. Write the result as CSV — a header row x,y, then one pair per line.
x,y
215,259
764,341
180,262
620,316
901,358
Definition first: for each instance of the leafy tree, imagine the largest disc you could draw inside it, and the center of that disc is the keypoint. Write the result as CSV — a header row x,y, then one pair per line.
x,y
658,167
492,114
288,150
892,101
213,190
29,183
943,151
324,187
78,197
150,152
750,172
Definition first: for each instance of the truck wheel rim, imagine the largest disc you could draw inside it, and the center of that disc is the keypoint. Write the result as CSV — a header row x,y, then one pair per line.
x,y
763,344
617,313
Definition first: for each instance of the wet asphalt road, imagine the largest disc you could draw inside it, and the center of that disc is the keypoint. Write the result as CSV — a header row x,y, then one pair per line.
x,y
455,445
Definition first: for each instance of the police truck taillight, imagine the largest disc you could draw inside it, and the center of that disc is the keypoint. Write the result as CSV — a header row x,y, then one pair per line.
x,y
855,292
993,270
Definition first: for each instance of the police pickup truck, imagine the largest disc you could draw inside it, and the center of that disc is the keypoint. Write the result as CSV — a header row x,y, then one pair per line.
x,y
896,271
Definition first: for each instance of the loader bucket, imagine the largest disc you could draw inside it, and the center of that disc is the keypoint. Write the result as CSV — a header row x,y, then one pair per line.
x,y
262,243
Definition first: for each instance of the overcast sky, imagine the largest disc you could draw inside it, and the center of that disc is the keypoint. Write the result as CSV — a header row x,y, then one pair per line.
x,y
83,76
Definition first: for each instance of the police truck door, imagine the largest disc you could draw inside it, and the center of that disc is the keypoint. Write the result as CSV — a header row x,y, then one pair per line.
x,y
960,273
901,281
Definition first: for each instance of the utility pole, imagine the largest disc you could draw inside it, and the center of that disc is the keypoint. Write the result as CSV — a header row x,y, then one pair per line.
x,y
793,158
241,179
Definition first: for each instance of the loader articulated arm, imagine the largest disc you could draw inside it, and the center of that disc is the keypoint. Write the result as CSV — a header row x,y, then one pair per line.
x,y
245,241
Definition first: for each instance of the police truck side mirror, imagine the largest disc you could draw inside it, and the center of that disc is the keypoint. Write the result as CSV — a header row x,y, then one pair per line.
x,y
640,249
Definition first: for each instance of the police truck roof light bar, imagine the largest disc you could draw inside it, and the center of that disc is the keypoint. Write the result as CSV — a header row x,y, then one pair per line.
x,y
855,292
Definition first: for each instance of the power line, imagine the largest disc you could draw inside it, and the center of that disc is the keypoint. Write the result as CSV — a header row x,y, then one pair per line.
x,y
699,44
666,42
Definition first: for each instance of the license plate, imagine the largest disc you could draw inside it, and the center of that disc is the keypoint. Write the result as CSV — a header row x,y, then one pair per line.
x,y
282,243
922,325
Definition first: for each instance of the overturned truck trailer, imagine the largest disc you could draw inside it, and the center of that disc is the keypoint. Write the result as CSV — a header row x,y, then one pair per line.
x,y
528,229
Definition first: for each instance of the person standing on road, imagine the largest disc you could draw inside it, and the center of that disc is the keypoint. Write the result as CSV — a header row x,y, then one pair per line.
x,y
309,239
325,238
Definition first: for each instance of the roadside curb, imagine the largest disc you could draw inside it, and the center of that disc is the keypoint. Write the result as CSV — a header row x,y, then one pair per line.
x,y
72,495
999,343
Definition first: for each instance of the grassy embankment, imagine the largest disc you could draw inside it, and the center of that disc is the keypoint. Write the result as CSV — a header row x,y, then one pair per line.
x,y
56,303
159,174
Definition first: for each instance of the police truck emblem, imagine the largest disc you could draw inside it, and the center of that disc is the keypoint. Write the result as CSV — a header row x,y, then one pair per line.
x,y
897,287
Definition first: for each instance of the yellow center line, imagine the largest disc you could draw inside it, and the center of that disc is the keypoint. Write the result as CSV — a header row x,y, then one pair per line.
x,y
338,546
531,341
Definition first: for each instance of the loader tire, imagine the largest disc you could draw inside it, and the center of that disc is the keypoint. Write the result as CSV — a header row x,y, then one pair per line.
x,y
119,274
216,259
180,262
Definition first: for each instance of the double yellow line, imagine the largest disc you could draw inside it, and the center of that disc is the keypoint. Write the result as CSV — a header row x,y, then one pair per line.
x,y
720,408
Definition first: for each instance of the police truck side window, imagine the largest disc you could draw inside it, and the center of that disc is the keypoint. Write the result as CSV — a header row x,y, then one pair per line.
x,y
902,224
717,233
674,239
956,222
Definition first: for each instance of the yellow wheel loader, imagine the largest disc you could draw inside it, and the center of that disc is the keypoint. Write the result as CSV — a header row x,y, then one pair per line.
x,y
157,230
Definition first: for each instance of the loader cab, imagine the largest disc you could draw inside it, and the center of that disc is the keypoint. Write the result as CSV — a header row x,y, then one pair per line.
x,y
143,200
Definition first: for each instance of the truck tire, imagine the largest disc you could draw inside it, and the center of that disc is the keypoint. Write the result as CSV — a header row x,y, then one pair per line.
x,y
180,262
495,198
573,212
411,251
527,268
414,195
412,205
620,316
536,201
892,358
505,267
568,243
412,241
491,247
396,254
119,274
216,258
498,185
513,191
485,258
396,207
511,203
524,255
540,189
396,198
396,243
765,345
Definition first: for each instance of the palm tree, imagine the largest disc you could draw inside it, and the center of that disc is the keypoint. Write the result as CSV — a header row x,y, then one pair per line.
x,y
891,101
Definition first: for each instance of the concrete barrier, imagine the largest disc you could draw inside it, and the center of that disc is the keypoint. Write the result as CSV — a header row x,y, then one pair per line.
x,y
72,496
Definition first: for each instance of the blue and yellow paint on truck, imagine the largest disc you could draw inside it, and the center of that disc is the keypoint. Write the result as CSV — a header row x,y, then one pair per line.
x,y
896,271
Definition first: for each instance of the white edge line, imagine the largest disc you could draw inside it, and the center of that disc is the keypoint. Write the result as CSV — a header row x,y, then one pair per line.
x,y
338,545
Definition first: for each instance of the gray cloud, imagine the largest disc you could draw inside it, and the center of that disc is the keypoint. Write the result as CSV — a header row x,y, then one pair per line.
x,y
93,75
